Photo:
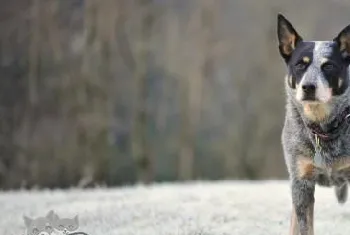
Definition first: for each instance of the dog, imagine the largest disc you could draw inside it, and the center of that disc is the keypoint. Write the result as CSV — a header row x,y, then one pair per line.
x,y
315,135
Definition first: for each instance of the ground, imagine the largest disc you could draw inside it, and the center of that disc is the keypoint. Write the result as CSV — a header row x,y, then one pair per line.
x,y
196,208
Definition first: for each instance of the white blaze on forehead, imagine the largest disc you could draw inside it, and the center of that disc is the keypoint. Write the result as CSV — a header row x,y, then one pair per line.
x,y
322,50
318,44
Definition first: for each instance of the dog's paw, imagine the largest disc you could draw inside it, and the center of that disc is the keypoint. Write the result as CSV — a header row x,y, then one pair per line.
x,y
342,193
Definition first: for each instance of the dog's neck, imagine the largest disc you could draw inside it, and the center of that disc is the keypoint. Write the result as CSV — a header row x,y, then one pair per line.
x,y
324,120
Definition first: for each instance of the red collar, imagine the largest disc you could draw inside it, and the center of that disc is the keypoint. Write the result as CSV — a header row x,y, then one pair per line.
x,y
332,129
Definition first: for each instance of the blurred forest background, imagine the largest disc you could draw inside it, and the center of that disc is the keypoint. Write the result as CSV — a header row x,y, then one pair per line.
x,y
123,91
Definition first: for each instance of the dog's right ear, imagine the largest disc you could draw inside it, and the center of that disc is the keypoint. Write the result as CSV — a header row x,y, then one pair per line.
x,y
343,40
288,37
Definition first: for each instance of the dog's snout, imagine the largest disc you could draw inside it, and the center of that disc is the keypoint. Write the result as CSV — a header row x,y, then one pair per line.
x,y
309,88
308,91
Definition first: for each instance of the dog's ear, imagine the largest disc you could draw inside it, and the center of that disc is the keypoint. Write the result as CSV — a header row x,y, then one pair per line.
x,y
288,37
343,40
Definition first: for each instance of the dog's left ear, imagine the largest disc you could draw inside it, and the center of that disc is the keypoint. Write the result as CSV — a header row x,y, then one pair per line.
x,y
343,40
288,37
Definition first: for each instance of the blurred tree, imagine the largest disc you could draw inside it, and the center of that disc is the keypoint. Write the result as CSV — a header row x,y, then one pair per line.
x,y
200,37
95,92
140,144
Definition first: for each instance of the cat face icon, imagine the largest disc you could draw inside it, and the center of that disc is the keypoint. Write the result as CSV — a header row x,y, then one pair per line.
x,y
65,225
40,225
50,224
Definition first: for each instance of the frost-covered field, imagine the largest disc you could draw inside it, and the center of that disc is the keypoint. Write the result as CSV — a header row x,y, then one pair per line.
x,y
206,208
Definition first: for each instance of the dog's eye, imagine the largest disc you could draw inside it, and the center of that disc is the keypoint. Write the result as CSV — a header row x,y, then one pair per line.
x,y
300,66
328,67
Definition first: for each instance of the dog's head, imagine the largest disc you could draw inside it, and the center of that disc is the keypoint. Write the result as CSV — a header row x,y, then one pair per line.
x,y
317,70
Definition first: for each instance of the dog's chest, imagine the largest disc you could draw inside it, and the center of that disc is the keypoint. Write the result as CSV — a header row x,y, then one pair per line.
x,y
335,172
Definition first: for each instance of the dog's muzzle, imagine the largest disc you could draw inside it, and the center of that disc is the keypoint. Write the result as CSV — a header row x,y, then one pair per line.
x,y
309,91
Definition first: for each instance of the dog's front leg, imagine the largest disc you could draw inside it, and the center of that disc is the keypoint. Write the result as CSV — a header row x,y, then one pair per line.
x,y
303,206
294,228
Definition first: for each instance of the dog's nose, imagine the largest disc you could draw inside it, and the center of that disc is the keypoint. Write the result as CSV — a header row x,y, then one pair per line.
x,y
309,88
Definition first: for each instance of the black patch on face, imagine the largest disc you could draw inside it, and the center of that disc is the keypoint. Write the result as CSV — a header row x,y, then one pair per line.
x,y
334,69
296,65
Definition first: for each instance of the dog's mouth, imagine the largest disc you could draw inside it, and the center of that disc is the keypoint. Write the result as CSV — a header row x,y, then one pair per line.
x,y
312,102
310,98
315,110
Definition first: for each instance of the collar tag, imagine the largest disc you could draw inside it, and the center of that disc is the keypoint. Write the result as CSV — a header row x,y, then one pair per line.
x,y
318,160
317,139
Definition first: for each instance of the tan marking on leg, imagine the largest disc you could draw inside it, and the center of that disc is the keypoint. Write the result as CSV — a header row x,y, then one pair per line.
x,y
294,228
305,167
316,111
343,167
341,164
